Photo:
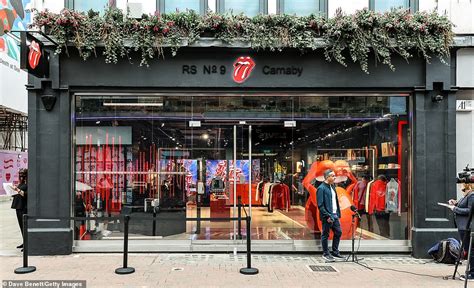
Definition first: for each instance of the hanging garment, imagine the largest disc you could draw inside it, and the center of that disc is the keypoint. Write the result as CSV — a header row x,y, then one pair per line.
x,y
280,196
378,189
367,195
259,192
359,194
391,196
266,193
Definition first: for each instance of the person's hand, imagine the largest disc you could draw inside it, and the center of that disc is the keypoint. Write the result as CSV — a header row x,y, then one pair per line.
x,y
452,202
330,220
451,207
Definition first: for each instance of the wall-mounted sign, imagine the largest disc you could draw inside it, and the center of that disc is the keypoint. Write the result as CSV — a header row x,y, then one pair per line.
x,y
243,67
464,105
34,59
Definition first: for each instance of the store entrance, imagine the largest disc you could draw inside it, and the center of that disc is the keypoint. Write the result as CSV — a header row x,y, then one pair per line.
x,y
238,160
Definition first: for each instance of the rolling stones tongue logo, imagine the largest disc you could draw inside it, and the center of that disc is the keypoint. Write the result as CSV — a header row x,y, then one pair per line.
x,y
243,66
34,54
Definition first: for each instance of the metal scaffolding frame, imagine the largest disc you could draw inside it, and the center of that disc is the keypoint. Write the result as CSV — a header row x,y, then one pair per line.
x,y
13,130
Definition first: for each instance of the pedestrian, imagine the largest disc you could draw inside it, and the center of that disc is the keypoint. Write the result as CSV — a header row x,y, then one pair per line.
x,y
461,209
329,213
19,202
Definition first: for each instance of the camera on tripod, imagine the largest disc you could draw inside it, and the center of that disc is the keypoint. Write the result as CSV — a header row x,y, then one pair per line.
x,y
466,176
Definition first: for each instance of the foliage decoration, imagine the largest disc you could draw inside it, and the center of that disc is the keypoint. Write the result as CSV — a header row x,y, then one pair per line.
x,y
343,37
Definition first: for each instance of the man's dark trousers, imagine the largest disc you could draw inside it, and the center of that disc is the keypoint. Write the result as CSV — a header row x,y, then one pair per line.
x,y
336,229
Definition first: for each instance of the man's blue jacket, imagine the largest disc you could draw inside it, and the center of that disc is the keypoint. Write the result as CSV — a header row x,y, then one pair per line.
x,y
324,198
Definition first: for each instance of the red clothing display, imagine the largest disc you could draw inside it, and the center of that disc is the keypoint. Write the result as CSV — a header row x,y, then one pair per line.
x,y
358,194
280,196
377,196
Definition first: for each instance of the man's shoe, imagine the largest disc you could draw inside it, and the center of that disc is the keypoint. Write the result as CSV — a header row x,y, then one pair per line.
x,y
470,278
337,256
19,246
328,258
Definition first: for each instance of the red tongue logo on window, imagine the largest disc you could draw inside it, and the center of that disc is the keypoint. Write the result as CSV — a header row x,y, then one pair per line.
x,y
243,66
34,54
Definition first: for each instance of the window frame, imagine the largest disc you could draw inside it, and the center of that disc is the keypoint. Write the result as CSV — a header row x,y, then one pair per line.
x,y
203,6
262,7
323,7
413,5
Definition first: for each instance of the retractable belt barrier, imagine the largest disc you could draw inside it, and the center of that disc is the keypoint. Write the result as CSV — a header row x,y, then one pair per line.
x,y
126,220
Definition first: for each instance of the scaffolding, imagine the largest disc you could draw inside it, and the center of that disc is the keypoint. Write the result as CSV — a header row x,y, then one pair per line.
x,y
13,130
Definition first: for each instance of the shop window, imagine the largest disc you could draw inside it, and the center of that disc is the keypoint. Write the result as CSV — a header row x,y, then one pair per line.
x,y
137,153
302,7
249,7
171,6
387,5
86,5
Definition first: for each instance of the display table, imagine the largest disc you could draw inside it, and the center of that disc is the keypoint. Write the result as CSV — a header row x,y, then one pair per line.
x,y
218,207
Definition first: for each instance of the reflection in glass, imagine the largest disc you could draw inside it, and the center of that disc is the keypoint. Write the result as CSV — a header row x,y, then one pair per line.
x,y
301,7
86,5
386,5
249,7
172,6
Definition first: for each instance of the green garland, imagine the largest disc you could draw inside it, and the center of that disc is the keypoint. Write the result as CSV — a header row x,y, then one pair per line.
x,y
397,32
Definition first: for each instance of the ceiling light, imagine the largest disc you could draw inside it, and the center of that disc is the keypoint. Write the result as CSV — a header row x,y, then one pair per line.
x,y
124,104
205,136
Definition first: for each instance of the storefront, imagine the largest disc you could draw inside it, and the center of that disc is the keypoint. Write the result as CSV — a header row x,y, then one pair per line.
x,y
190,134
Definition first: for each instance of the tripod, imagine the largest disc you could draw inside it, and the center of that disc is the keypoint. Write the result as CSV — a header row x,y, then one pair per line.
x,y
467,237
353,253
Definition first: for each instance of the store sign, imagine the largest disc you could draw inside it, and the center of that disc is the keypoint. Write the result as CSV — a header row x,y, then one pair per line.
x,y
34,59
243,67
34,56
464,105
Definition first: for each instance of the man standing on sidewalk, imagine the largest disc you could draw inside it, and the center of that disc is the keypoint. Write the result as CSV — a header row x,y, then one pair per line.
x,y
329,213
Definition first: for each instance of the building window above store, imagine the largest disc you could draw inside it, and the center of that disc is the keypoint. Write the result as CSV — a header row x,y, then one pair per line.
x,y
302,7
387,5
248,7
86,5
171,6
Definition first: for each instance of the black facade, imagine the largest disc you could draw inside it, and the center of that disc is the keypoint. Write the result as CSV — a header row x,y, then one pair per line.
x,y
209,69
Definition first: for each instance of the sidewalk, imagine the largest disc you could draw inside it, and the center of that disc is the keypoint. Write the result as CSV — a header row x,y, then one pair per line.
x,y
216,270
222,270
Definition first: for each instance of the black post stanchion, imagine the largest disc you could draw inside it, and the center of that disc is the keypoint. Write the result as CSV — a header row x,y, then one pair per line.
x,y
154,222
239,215
248,270
25,269
125,269
198,222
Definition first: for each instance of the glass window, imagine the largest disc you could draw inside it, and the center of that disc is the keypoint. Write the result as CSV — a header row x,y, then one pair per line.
x,y
386,5
300,7
175,152
250,7
86,5
171,6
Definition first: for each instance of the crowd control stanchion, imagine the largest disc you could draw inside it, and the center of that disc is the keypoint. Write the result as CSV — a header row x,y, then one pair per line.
x,y
154,222
239,215
25,269
248,270
125,269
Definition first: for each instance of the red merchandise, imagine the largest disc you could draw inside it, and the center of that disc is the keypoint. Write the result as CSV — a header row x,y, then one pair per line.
x,y
243,192
377,196
358,195
280,196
